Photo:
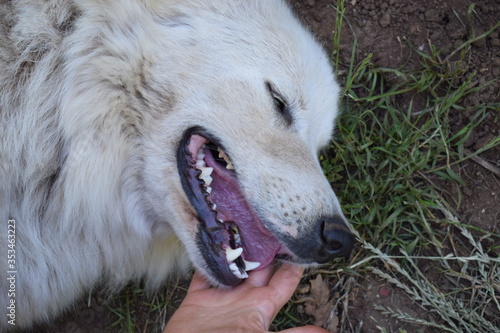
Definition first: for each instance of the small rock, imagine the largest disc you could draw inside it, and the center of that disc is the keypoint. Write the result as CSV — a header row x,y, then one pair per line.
x,y
431,15
384,292
385,20
408,9
467,191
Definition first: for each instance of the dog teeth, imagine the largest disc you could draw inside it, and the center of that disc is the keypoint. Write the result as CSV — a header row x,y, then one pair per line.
x,y
205,172
208,180
201,154
223,155
233,254
241,275
249,265
236,271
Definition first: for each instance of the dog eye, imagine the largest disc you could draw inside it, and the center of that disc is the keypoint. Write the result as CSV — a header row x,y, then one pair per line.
x,y
280,105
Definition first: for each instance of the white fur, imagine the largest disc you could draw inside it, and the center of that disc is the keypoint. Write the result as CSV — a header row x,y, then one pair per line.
x,y
88,167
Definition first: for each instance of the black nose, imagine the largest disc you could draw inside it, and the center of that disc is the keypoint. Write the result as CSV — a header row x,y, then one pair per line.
x,y
336,238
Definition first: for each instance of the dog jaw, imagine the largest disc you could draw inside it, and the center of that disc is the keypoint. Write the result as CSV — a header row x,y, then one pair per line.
x,y
235,236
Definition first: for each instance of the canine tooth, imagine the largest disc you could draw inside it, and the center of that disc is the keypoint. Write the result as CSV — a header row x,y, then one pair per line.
x,y
233,254
220,221
205,172
249,265
233,267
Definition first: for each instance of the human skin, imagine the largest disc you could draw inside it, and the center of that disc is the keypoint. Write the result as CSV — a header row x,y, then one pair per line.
x,y
249,307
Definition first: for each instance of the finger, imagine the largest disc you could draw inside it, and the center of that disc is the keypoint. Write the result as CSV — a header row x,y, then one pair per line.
x,y
198,283
285,281
305,329
287,275
259,278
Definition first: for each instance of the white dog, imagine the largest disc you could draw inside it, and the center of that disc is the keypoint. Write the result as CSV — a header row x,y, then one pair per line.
x,y
136,135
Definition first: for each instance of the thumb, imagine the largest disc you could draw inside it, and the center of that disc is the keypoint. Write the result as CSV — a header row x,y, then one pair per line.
x,y
198,283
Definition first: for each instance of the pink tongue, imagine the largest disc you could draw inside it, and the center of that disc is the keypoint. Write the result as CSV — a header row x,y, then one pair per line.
x,y
258,243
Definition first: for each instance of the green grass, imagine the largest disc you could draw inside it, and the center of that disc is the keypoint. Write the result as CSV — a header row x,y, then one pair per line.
x,y
138,310
388,163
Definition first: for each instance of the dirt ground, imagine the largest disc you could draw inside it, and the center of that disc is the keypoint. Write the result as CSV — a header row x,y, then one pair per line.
x,y
386,28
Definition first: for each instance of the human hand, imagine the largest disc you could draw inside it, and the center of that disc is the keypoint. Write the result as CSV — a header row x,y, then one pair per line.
x,y
248,307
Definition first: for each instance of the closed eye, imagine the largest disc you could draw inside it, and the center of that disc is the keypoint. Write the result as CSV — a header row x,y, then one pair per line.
x,y
280,104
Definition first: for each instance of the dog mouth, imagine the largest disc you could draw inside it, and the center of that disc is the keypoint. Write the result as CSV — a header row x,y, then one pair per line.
x,y
231,237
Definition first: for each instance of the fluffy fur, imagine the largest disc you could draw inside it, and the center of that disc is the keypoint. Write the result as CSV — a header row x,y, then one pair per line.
x,y
94,98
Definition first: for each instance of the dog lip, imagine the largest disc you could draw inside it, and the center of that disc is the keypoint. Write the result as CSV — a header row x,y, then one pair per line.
x,y
211,236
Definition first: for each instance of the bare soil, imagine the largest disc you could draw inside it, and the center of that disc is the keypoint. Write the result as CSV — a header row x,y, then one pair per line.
x,y
390,30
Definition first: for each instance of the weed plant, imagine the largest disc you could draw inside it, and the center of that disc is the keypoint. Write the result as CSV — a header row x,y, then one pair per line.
x,y
388,164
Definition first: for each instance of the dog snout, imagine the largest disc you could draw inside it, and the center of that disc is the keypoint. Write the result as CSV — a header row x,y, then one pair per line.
x,y
336,239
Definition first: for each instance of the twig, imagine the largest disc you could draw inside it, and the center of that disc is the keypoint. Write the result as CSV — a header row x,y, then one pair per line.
x,y
487,165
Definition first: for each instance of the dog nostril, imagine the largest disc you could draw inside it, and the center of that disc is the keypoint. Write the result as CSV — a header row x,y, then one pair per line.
x,y
334,246
337,239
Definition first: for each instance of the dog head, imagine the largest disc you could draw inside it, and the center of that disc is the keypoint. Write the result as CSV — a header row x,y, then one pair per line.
x,y
236,99
259,104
